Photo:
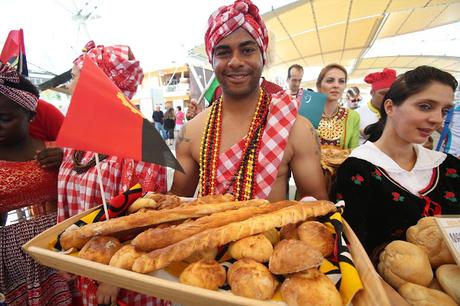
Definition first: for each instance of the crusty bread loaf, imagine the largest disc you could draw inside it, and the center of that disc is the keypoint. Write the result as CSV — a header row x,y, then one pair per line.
x,y
157,238
125,257
402,262
251,279
310,288
427,235
78,238
256,247
318,236
100,249
213,198
231,232
449,279
417,295
206,273
142,203
291,256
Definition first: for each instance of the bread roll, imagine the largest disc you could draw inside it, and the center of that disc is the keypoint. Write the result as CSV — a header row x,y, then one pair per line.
x,y
289,232
157,238
205,254
449,278
273,235
402,262
206,273
142,203
125,257
231,232
417,295
435,285
318,236
100,249
165,201
256,247
291,256
310,288
77,238
427,235
251,279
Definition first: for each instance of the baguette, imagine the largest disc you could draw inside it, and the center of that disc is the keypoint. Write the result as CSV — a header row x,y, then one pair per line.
x,y
156,238
77,238
216,237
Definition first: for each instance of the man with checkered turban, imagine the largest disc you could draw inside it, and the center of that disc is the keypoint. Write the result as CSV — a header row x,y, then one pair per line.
x,y
250,137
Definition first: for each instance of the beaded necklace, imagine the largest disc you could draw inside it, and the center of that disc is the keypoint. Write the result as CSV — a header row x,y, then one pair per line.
x,y
244,176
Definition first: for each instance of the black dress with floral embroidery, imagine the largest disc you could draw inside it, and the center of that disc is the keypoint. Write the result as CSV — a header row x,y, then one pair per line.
x,y
380,210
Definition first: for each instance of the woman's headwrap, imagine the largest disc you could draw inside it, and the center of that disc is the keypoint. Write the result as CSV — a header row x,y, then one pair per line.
x,y
8,77
227,19
118,63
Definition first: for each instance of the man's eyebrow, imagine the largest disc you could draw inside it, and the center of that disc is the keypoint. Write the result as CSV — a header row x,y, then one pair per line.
x,y
221,47
247,43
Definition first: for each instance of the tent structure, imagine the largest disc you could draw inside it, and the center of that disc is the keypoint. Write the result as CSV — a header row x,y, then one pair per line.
x,y
315,33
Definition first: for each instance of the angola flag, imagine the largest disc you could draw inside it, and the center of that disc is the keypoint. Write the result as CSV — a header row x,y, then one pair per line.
x,y
101,119
14,52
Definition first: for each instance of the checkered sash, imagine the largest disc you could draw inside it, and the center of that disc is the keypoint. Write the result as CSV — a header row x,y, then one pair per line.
x,y
281,118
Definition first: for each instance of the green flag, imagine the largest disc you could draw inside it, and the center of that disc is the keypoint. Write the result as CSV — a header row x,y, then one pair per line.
x,y
209,94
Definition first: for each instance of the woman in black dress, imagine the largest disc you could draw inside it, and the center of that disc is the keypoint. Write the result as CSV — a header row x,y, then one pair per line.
x,y
169,123
392,181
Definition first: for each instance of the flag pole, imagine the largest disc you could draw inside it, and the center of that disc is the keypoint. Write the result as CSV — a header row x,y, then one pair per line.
x,y
213,76
99,178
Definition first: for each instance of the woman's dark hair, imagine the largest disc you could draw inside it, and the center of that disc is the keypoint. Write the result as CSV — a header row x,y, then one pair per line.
x,y
406,85
179,108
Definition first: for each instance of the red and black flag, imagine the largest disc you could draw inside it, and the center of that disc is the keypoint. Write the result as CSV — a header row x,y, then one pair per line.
x,y
14,51
101,119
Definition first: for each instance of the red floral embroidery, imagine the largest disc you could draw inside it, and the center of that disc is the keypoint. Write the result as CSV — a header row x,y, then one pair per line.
x,y
377,174
358,179
449,195
397,197
339,196
451,172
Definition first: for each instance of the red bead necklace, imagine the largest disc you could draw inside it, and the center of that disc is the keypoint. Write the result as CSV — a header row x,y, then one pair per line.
x,y
243,179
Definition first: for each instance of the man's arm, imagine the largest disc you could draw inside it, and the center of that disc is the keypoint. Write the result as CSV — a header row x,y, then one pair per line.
x,y
306,161
185,184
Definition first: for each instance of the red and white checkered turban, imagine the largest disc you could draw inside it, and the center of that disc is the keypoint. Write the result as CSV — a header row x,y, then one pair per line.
x,y
226,19
9,81
118,63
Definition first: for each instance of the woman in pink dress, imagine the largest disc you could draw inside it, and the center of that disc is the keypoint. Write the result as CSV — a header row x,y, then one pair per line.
x,y
28,189
78,189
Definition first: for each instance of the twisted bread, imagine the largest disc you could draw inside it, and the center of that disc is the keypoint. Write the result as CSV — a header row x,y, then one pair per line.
x,y
157,238
77,238
234,231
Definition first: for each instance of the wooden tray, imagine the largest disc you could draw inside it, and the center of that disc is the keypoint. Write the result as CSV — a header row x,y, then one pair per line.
x,y
372,294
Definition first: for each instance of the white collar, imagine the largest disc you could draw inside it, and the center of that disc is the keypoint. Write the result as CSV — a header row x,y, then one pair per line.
x,y
426,159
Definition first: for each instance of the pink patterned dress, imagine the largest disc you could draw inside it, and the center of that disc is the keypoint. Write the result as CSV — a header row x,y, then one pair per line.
x,y
22,280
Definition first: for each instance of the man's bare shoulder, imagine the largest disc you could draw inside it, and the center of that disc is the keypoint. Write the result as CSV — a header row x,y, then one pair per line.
x,y
192,130
301,126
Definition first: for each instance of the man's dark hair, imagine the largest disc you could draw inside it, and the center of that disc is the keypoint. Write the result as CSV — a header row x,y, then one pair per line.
x,y
179,108
296,66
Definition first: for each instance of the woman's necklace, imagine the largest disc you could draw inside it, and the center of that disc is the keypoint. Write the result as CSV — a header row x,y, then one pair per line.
x,y
80,167
244,176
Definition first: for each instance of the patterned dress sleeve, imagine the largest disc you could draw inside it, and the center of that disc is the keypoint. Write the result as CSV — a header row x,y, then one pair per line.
x,y
151,177
353,186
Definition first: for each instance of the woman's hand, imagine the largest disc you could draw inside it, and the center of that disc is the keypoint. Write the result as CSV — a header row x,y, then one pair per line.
x,y
50,158
107,294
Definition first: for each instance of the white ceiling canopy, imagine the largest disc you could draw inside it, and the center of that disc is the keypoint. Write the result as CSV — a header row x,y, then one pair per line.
x,y
362,35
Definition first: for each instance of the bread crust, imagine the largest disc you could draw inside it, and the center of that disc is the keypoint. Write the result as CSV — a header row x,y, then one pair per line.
x,y
449,278
418,295
231,232
157,238
125,257
318,236
206,273
77,238
100,249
